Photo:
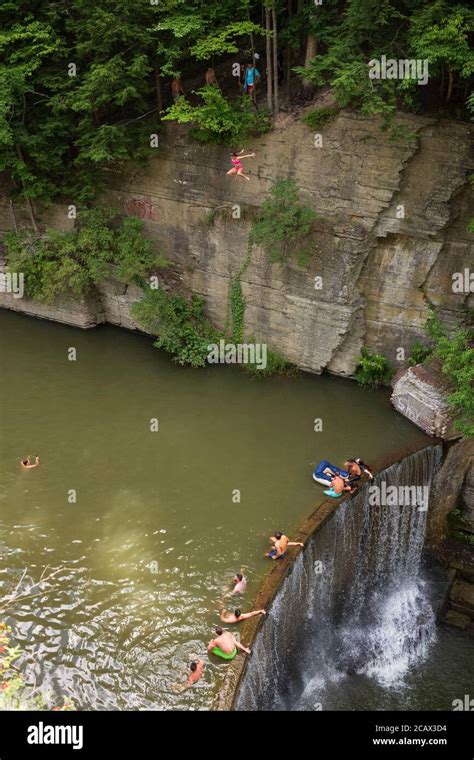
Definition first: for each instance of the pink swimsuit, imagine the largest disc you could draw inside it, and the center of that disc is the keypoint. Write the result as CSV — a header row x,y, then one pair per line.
x,y
237,164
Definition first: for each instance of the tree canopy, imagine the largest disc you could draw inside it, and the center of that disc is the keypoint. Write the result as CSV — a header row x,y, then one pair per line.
x,y
80,81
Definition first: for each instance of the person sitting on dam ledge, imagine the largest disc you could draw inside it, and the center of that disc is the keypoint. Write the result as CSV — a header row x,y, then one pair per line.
x,y
338,486
237,616
225,645
280,545
26,464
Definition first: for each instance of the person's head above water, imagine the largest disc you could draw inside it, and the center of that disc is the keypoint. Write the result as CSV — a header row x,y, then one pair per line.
x,y
278,534
24,461
237,613
239,577
193,666
219,630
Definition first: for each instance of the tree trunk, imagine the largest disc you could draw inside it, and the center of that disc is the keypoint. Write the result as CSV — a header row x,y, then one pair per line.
x,y
288,59
311,50
12,211
275,58
31,210
159,99
442,82
269,59
450,86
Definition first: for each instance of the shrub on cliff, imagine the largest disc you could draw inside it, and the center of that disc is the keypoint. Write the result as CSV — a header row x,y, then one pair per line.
x,y
455,350
373,370
219,120
69,263
285,226
179,324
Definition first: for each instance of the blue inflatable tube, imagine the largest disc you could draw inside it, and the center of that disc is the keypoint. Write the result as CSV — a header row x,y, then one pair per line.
x,y
323,478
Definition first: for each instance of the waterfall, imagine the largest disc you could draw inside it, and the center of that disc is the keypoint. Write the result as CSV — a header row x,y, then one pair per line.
x,y
355,604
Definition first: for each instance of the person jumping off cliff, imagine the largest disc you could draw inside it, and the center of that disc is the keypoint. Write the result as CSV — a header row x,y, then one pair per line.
x,y
238,168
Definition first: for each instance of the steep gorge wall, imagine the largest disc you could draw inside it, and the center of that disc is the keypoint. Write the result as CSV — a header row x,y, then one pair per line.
x,y
379,272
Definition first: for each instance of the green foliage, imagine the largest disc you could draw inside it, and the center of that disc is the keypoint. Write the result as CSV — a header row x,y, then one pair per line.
x,y
419,352
237,305
219,120
319,116
285,227
224,40
237,301
179,324
457,528
276,365
70,263
14,693
372,370
367,29
456,352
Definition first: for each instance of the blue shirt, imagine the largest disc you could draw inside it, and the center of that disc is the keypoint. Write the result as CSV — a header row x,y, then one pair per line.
x,y
251,74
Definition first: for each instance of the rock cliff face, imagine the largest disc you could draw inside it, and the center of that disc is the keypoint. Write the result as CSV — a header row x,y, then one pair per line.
x,y
420,393
380,263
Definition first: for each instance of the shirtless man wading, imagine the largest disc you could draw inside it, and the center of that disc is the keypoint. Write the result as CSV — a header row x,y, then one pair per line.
x,y
237,616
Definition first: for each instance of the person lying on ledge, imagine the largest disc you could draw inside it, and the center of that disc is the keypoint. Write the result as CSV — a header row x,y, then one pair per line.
x,y
237,616
225,645
356,467
26,464
280,545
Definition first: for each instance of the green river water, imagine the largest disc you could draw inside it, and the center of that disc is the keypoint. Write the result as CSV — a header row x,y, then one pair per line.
x,y
154,536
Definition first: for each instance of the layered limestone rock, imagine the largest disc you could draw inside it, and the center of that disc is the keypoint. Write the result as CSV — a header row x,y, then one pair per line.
x,y
447,488
392,232
467,499
420,394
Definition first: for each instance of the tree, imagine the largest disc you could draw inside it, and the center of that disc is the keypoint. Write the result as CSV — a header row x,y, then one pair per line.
x,y
441,35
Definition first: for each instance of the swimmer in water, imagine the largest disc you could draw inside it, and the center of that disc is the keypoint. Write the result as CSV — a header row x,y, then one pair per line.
x,y
238,168
26,464
197,669
280,545
240,584
237,616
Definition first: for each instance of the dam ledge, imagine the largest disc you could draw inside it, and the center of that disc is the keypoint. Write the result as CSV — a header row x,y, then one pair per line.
x,y
271,584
